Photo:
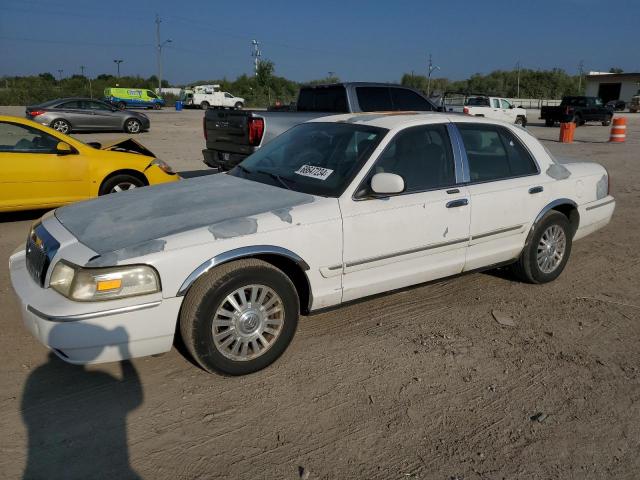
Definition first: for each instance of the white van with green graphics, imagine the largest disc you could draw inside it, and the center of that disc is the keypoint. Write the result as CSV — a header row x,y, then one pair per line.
x,y
133,97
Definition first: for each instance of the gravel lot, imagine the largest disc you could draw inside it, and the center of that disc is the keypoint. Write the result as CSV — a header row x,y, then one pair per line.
x,y
422,383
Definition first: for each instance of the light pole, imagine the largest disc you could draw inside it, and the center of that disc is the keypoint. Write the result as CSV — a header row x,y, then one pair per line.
x,y
60,74
160,65
431,68
518,88
118,62
159,46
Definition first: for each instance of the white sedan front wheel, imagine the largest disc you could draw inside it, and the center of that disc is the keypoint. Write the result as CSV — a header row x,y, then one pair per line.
x,y
240,317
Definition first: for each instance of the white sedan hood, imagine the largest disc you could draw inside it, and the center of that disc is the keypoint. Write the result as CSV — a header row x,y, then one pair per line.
x,y
137,219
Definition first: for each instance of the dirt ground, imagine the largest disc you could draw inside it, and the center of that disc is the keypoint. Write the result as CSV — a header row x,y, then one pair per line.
x,y
422,383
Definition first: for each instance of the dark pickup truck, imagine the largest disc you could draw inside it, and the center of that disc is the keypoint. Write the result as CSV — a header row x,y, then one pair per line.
x,y
232,135
578,110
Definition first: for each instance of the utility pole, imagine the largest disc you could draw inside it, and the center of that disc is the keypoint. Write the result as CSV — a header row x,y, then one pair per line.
x,y
159,46
431,68
60,74
256,54
580,72
82,70
118,62
518,88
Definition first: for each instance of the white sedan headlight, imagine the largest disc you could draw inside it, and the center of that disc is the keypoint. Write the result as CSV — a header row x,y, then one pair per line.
x,y
95,284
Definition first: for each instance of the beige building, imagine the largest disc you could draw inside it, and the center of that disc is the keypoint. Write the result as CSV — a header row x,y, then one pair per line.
x,y
613,86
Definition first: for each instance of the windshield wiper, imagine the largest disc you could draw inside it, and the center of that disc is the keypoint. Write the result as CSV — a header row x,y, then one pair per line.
x,y
244,169
277,177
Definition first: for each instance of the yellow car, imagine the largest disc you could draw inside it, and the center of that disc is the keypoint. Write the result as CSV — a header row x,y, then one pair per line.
x,y
43,168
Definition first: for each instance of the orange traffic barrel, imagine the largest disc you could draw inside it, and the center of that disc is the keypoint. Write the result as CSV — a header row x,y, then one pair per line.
x,y
618,130
566,132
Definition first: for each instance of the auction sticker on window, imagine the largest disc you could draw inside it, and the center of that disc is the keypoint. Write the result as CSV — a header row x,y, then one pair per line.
x,y
314,172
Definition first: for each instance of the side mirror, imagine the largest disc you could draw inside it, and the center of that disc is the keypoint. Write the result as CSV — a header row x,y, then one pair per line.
x,y
63,148
387,184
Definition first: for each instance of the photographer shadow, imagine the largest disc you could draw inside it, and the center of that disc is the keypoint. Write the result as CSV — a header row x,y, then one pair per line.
x,y
76,418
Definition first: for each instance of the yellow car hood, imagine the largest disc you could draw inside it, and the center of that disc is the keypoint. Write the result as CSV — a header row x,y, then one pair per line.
x,y
128,145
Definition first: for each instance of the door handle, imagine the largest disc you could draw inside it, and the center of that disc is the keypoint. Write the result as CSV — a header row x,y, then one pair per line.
x,y
461,202
537,189
452,191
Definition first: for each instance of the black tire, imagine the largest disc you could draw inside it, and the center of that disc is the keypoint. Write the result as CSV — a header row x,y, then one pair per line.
x,y
120,182
607,121
527,267
577,119
121,105
549,123
204,105
132,126
210,293
61,125
521,121
239,106
157,106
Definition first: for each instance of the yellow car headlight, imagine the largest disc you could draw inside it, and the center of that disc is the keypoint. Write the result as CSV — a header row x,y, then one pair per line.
x,y
96,284
162,165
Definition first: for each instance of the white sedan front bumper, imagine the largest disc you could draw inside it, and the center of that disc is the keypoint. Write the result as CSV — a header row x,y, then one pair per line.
x,y
94,332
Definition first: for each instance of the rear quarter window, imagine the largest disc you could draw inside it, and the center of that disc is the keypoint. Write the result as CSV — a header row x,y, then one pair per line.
x,y
323,99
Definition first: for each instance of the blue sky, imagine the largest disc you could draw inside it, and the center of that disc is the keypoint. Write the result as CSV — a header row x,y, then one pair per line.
x,y
356,39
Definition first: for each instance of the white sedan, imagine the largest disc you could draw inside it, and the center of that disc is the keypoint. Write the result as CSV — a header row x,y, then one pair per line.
x,y
331,211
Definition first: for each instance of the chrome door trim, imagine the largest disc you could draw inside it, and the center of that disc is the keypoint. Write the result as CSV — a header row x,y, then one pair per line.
x,y
400,253
497,232
601,205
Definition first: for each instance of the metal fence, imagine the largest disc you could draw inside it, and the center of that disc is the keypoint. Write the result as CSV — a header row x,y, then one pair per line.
x,y
528,103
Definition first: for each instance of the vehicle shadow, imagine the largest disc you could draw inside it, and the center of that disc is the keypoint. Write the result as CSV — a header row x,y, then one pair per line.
x,y
6,217
198,173
76,418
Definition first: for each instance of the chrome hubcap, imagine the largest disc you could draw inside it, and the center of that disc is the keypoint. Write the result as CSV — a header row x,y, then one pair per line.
x,y
121,187
551,248
248,322
61,127
134,127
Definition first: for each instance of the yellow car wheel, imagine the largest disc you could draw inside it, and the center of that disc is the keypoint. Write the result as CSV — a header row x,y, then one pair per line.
x,y
120,183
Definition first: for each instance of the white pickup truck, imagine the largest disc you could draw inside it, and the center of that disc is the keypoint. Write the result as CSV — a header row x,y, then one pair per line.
x,y
495,108
205,96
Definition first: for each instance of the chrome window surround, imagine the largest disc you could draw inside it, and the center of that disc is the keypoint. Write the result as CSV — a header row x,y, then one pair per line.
x,y
465,159
459,162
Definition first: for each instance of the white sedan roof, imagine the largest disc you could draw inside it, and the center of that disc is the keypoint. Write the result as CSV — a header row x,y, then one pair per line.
x,y
395,120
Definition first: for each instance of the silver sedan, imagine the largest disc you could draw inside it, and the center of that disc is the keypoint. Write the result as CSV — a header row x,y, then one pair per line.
x,y
74,114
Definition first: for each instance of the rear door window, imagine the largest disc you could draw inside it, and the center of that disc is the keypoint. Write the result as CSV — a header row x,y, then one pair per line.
x,y
404,99
74,105
494,153
374,99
